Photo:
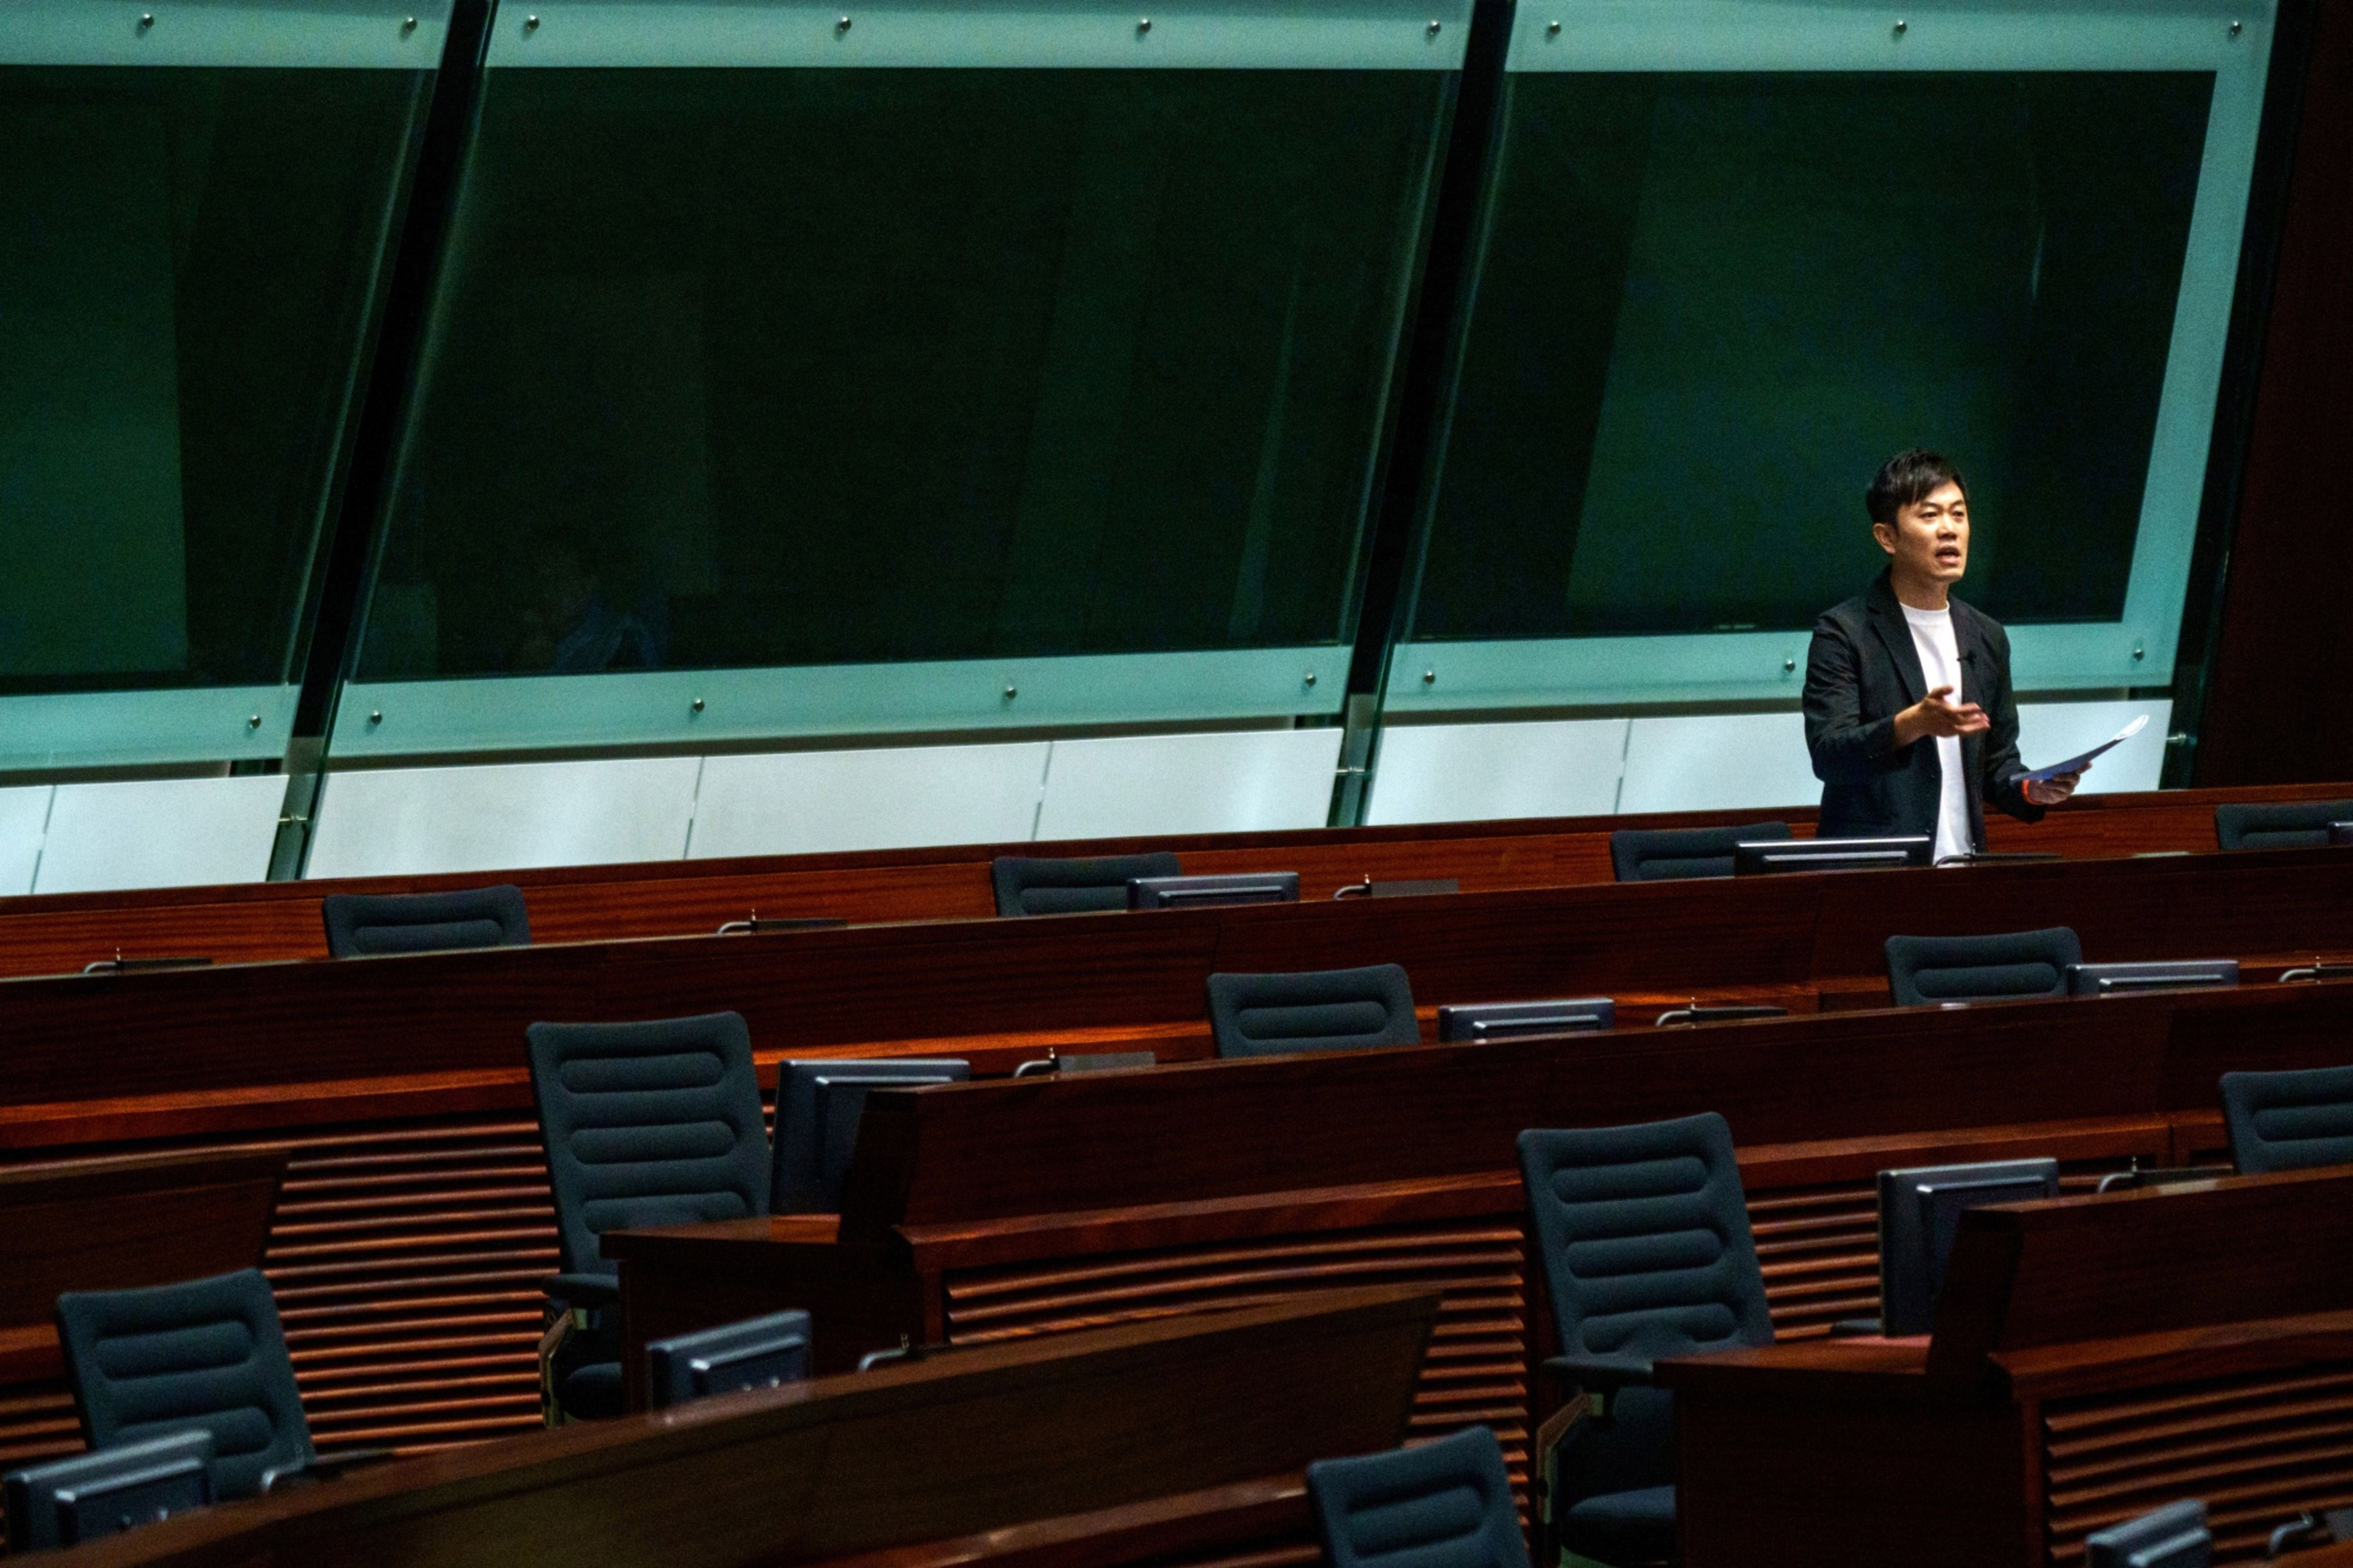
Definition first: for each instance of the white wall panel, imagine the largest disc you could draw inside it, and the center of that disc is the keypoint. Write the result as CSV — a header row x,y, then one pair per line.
x,y
1234,782
799,802
2050,732
1725,762
393,821
160,833
24,817
1478,772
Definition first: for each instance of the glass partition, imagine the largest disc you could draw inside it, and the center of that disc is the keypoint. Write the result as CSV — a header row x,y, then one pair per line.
x,y
909,370
1732,258
198,206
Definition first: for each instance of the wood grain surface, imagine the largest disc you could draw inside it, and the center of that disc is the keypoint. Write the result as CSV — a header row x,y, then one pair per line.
x,y
251,923
976,1441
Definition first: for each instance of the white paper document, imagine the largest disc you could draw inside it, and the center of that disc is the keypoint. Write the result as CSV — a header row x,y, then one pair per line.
x,y
2077,764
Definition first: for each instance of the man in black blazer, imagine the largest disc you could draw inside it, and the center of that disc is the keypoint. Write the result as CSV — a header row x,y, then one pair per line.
x,y
1898,751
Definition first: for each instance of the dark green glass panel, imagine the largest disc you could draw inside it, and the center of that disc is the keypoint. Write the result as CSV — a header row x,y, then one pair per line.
x,y
187,262
739,367
1710,306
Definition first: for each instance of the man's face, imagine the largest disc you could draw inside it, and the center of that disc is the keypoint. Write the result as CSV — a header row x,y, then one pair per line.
x,y
1930,540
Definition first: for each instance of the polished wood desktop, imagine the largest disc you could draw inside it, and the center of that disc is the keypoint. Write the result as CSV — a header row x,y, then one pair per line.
x,y
2093,1357
416,1227
987,1211
837,1467
252,922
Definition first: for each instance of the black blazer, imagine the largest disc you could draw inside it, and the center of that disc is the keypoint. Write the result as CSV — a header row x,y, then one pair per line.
x,y
1862,670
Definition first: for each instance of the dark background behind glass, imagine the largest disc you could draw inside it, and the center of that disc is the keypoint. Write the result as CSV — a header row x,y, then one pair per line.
x,y
187,261
778,367
1710,306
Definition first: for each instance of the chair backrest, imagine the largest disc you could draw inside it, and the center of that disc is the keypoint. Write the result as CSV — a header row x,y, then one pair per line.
x,y
1446,1504
1644,1235
650,1124
1670,854
205,1354
1321,1010
1922,970
1038,886
2174,1536
2288,1121
819,1107
361,924
2283,825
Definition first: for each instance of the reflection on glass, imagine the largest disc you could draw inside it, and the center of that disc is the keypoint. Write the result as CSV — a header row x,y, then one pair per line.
x,y
187,259
1709,307
782,367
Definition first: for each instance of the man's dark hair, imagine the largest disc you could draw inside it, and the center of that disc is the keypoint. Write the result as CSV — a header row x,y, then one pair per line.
x,y
1908,478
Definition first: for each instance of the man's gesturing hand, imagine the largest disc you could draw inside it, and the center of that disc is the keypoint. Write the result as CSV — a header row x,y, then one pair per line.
x,y
1933,715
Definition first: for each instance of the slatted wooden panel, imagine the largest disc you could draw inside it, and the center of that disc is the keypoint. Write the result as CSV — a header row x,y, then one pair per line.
x,y
406,1265
2258,1449
1477,1367
1818,1247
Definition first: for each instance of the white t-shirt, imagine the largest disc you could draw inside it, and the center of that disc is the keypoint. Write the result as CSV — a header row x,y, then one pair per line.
x,y
1940,661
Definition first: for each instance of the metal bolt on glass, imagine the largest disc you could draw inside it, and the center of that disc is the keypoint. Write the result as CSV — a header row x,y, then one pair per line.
x,y
1012,692
146,20
2139,653
841,25
531,24
1429,678
1552,29
408,23
1788,665
253,721
1143,23
1308,680
2235,27
1434,26
377,717
1902,26
698,705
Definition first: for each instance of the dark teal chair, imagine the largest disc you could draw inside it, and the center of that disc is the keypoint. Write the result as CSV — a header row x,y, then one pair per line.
x,y
1025,886
2288,1121
1643,1233
1924,970
1320,1010
645,1124
2285,825
1446,1504
364,925
204,1355
1674,853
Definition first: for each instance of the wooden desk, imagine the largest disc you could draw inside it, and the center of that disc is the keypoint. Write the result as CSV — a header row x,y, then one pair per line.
x,y
2092,1358
977,1441
416,1227
990,1211
105,1225
253,922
